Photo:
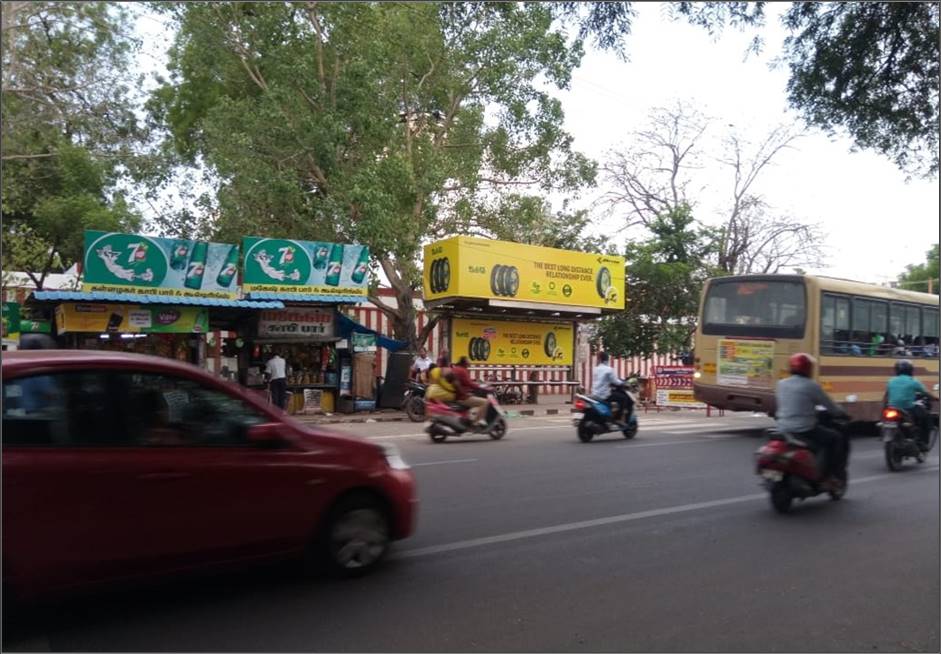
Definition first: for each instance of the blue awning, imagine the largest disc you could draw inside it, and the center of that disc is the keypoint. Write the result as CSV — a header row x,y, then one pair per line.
x,y
99,296
346,326
297,297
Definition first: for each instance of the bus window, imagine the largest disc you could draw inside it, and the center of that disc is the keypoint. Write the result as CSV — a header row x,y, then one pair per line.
x,y
932,332
879,328
912,326
896,323
860,337
767,308
827,323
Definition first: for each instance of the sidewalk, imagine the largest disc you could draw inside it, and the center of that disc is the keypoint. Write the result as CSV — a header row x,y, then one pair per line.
x,y
550,405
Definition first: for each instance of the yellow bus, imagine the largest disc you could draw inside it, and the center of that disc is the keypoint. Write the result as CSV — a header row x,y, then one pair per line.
x,y
750,324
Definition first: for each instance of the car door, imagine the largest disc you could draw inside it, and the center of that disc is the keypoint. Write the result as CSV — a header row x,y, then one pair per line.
x,y
62,516
209,496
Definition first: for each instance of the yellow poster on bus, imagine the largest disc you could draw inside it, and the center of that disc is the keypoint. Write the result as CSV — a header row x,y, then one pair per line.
x,y
745,363
465,266
512,342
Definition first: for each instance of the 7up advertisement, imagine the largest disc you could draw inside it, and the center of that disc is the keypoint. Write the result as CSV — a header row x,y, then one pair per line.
x,y
287,267
150,265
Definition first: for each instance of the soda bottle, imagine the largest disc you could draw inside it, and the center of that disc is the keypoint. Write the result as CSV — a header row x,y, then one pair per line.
x,y
335,265
362,264
197,266
181,250
229,268
321,250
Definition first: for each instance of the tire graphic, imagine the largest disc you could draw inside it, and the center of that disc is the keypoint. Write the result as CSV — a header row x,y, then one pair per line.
x,y
445,274
549,345
440,276
603,282
478,349
484,349
433,276
472,349
504,280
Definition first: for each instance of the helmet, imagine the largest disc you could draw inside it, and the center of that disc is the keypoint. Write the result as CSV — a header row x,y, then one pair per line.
x,y
801,364
904,367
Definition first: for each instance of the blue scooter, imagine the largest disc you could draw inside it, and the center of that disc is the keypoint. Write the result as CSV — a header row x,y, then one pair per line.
x,y
596,418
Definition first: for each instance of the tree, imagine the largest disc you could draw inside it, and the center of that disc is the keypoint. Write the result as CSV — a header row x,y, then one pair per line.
x,y
664,277
382,123
67,126
923,276
870,68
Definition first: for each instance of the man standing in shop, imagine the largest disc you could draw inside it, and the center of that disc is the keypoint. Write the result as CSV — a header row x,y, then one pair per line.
x,y
277,381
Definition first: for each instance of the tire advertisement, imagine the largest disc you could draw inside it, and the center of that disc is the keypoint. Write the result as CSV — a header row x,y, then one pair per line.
x,y
504,342
465,266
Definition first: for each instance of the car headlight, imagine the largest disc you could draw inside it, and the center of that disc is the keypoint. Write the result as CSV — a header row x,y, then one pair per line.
x,y
393,457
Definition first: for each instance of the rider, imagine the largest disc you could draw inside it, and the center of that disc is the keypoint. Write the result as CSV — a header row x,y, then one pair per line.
x,y
442,385
797,397
465,392
606,387
900,393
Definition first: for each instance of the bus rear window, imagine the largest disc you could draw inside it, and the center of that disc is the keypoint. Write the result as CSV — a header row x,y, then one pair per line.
x,y
773,309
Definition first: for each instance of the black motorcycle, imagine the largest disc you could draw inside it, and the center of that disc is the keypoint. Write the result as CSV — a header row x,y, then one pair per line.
x,y
414,402
902,437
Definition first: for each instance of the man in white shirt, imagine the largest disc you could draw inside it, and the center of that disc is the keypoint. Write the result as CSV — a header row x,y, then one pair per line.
x,y
421,365
277,381
606,386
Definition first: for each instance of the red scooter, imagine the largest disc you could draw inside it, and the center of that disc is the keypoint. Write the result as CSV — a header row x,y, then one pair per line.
x,y
790,469
452,419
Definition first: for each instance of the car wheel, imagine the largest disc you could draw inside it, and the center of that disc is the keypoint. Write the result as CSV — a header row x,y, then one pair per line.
x,y
355,537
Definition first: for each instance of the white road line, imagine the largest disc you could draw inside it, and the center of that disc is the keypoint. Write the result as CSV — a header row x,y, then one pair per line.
x,y
438,463
598,522
662,443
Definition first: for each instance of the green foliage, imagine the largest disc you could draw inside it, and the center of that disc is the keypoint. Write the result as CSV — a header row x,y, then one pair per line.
x,y
871,68
664,277
917,276
382,123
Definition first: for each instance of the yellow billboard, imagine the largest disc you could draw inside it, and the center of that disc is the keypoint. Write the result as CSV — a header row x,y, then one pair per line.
x,y
512,342
466,266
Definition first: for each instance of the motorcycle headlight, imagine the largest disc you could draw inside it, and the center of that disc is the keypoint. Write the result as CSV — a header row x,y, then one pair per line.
x,y
393,457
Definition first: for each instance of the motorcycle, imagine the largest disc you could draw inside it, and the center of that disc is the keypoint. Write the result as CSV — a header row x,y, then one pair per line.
x,y
414,402
452,419
593,417
790,468
900,435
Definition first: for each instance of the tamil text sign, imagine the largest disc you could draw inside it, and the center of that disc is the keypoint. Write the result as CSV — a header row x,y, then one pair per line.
x,y
675,386
301,322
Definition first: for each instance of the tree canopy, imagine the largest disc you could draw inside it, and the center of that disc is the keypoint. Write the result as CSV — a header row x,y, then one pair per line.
x,y
923,276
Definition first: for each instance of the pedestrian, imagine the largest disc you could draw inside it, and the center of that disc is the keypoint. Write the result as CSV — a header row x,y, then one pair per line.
x,y
421,365
277,379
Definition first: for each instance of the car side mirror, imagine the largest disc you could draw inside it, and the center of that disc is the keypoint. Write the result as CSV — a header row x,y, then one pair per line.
x,y
267,434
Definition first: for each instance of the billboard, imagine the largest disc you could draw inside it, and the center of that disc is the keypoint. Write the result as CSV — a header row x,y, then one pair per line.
x,y
275,265
743,362
511,342
675,387
465,266
150,265
131,319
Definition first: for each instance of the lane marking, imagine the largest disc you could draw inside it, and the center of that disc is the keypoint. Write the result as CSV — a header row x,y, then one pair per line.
x,y
707,439
599,522
438,463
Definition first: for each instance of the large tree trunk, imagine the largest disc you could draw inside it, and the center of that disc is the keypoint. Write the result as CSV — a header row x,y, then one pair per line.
x,y
403,317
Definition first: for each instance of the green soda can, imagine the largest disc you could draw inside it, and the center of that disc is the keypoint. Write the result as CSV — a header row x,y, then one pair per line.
x,y
321,250
197,266
362,265
335,265
181,250
229,268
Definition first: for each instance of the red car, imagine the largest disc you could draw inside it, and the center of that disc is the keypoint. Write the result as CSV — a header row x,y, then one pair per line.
x,y
119,466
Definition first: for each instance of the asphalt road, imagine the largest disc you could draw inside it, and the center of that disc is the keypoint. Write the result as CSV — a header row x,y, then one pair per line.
x,y
542,543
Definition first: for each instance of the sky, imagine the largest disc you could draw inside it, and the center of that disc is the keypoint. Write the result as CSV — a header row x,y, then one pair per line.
x,y
875,221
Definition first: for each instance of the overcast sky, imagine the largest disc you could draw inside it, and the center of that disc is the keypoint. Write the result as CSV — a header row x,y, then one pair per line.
x,y
876,222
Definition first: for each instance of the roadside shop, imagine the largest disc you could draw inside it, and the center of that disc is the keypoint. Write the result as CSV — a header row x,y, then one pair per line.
x,y
514,310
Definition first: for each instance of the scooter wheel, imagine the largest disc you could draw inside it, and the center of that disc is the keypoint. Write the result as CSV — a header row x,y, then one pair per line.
x,y
630,431
781,497
585,434
436,436
893,456
498,430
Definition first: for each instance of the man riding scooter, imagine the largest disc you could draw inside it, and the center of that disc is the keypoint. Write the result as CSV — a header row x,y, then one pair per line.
x,y
901,392
465,392
607,387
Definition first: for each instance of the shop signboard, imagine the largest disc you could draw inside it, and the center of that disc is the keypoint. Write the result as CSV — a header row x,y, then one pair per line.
x,y
150,265
35,326
11,323
675,387
274,265
494,342
363,342
743,362
297,322
130,319
465,266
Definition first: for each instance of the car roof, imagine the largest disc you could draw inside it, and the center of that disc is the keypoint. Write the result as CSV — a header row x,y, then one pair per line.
x,y
20,361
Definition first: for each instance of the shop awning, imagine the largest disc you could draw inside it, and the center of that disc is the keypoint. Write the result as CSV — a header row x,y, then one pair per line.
x,y
346,326
99,296
296,297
